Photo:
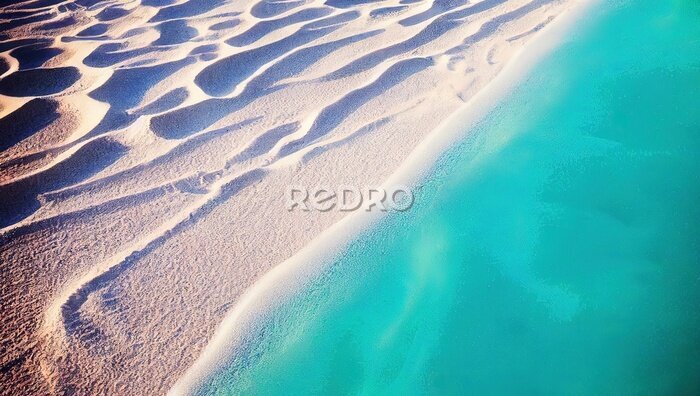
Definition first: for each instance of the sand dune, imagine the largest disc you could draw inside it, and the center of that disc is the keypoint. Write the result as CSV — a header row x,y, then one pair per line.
x,y
145,148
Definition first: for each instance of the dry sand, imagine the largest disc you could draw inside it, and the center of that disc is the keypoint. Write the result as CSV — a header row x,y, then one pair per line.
x,y
146,147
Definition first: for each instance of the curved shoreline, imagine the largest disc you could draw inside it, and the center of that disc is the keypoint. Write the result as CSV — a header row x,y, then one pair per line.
x,y
288,277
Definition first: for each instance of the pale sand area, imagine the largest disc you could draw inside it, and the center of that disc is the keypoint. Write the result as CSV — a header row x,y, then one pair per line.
x,y
147,147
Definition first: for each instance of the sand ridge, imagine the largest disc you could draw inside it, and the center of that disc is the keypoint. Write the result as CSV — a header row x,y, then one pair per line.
x,y
146,147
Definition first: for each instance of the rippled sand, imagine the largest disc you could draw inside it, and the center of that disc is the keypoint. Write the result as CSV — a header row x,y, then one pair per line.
x,y
145,149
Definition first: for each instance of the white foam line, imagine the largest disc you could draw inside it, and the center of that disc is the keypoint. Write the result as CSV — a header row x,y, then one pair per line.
x,y
285,279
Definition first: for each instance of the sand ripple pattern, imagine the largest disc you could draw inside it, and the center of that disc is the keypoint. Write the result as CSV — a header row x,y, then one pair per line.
x,y
145,147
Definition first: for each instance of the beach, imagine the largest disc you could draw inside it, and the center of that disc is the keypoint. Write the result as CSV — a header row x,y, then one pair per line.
x,y
551,249
146,148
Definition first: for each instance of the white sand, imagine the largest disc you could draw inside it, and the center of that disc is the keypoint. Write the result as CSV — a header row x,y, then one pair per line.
x,y
143,168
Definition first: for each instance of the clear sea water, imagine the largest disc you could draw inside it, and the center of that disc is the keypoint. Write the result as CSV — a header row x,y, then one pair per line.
x,y
556,250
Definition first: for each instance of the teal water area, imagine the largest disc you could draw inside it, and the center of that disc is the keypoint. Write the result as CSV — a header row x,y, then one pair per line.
x,y
556,250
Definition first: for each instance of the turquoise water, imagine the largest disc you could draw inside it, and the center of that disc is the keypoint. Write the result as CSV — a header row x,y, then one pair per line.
x,y
555,251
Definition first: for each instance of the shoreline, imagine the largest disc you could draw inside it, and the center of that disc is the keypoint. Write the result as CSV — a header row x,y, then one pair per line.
x,y
145,185
289,277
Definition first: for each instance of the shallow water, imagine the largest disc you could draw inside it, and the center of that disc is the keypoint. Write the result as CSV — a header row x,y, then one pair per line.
x,y
554,251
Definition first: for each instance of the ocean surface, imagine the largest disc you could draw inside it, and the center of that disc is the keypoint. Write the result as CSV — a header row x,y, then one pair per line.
x,y
555,250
